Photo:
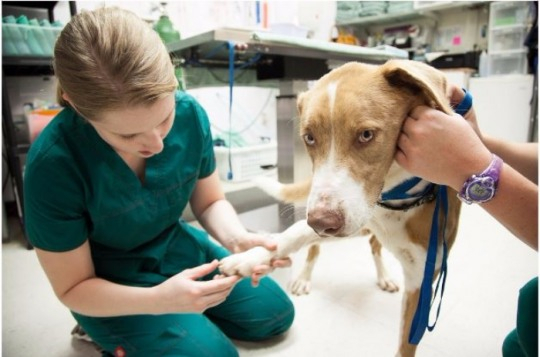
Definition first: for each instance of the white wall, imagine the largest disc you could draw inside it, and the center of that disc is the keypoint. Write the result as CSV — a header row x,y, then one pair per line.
x,y
194,17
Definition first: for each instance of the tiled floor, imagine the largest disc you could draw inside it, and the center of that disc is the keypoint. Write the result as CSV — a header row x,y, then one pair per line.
x,y
345,315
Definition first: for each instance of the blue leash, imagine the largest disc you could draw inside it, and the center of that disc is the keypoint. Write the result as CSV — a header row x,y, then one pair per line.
x,y
420,320
230,46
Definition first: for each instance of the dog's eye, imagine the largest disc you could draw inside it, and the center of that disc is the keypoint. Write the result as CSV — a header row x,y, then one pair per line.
x,y
365,136
309,139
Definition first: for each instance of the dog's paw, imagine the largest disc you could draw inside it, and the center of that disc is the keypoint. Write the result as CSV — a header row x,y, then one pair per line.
x,y
388,285
268,185
243,263
300,286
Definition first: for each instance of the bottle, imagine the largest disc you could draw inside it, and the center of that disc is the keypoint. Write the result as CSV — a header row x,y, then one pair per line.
x,y
165,28
483,64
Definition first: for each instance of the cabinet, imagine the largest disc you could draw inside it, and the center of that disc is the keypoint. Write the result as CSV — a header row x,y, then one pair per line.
x,y
16,66
503,106
508,28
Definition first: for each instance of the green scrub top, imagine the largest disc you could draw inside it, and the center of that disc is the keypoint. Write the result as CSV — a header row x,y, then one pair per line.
x,y
76,187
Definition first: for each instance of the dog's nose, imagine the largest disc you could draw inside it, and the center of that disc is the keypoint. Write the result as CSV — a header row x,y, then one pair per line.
x,y
325,223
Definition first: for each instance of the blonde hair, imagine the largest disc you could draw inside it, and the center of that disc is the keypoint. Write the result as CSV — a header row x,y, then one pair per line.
x,y
109,59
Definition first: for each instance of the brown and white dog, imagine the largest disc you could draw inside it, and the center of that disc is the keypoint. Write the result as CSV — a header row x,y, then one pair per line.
x,y
350,122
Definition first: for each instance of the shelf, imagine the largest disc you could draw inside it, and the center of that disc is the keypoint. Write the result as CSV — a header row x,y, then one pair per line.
x,y
387,18
26,61
509,27
27,66
414,14
48,5
22,66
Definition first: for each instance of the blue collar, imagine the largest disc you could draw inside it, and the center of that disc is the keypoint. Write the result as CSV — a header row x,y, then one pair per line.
x,y
406,193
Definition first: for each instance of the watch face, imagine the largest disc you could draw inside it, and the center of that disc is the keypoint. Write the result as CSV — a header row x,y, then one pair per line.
x,y
481,189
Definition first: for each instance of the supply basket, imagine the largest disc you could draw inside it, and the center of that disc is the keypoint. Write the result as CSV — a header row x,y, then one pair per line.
x,y
38,120
28,40
245,162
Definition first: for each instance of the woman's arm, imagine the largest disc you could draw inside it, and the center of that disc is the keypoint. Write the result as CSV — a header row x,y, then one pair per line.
x,y
74,282
515,205
216,214
220,220
521,156
445,149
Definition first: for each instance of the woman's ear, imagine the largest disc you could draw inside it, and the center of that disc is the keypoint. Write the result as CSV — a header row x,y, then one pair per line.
x,y
66,98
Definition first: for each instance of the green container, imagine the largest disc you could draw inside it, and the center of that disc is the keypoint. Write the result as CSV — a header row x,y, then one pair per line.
x,y
164,27
50,33
41,37
16,34
30,36
166,31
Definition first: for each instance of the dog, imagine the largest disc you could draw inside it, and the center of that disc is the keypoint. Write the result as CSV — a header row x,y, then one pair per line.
x,y
350,121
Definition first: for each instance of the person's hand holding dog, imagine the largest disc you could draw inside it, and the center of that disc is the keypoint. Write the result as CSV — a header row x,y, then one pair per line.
x,y
442,148
250,240
448,149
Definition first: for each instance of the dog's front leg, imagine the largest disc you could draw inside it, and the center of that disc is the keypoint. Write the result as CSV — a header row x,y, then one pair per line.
x,y
302,284
410,301
289,241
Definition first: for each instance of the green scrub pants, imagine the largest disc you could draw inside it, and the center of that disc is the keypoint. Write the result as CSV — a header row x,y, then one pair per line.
x,y
523,340
248,314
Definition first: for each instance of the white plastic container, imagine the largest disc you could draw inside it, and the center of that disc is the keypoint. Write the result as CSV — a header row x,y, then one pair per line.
x,y
507,39
246,162
508,13
514,62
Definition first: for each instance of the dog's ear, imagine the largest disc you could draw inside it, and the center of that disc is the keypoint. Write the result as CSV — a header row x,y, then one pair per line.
x,y
419,79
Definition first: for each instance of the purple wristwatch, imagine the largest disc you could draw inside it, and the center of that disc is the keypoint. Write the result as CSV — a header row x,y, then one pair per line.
x,y
482,187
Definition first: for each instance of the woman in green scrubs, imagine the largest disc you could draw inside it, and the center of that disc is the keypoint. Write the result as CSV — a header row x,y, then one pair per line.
x,y
105,185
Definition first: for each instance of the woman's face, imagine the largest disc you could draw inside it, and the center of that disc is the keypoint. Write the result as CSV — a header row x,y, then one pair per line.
x,y
137,131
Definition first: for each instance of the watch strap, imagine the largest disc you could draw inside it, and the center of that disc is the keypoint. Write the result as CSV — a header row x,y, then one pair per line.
x,y
492,172
494,168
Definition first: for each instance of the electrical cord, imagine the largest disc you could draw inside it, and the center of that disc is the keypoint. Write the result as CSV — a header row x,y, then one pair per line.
x,y
5,179
230,47
251,123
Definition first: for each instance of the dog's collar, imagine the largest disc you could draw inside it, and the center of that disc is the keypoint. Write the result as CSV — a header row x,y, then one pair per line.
x,y
411,193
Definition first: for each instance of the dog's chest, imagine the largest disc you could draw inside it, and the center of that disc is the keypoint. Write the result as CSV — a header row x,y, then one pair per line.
x,y
390,227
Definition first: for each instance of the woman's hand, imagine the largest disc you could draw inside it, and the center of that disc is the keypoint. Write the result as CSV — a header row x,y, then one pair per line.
x,y
220,220
441,148
250,240
456,96
184,293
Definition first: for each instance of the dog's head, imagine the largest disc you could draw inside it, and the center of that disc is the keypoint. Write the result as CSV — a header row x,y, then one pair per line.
x,y
350,121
